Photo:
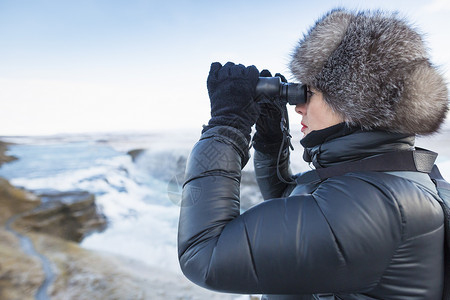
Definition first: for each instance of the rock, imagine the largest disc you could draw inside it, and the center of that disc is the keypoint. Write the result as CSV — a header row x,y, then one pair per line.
x,y
76,273
79,273
135,153
14,201
3,157
20,275
69,215
83,274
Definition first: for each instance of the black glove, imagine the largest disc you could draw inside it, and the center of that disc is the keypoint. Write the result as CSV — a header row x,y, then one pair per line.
x,y
231,90
269,136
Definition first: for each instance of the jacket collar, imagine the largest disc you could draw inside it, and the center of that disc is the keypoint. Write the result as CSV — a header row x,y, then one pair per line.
x,y
340,143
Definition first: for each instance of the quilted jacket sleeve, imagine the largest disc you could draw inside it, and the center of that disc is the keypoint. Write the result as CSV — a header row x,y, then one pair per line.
x,y
266,174
282,246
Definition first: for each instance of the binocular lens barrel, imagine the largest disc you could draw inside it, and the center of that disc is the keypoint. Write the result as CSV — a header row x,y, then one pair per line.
x,y
272,88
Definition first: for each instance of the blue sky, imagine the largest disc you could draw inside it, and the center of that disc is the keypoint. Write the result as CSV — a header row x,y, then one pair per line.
x,y
109,65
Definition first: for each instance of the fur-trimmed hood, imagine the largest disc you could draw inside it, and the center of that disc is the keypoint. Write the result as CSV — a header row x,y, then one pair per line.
x,y
373,69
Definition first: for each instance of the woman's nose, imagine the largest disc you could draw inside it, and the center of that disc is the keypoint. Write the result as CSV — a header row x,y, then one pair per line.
x,y
300,109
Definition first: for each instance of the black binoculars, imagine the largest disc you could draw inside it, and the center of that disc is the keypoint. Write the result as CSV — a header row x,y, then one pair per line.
x,y
273,89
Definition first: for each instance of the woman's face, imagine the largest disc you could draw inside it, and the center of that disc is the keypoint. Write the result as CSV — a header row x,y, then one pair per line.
x,y
316,114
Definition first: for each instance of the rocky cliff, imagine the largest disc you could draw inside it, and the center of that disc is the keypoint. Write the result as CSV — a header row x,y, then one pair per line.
x,y
69,215
20,274
41,259
3,157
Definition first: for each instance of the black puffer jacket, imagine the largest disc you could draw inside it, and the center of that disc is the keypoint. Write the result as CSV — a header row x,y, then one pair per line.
x,y
365,235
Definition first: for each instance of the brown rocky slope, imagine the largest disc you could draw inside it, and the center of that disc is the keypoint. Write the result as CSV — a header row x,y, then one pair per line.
x,y
52,231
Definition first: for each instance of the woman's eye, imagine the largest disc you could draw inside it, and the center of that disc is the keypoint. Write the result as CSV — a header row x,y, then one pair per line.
x,y
309,94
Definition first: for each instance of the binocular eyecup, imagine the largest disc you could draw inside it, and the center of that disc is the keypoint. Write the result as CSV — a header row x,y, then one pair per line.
x,y
273,89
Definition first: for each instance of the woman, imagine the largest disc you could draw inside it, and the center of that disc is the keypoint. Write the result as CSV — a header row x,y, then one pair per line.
x,y
360,235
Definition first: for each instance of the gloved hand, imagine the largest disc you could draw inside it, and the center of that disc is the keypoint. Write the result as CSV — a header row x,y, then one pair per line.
x,y
268,136
231,90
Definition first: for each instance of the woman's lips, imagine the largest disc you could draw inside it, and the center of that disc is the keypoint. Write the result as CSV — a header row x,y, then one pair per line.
x,y
303,127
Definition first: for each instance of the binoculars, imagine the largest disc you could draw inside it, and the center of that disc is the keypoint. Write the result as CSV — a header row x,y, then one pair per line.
x,y
273,89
